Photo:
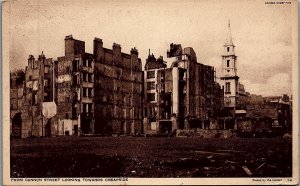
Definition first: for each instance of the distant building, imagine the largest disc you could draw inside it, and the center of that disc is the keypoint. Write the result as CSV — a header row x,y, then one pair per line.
x,y
218,99
179,96
243,99
278,108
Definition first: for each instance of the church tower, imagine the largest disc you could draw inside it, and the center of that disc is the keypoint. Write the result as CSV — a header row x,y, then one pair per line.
x,y
229,73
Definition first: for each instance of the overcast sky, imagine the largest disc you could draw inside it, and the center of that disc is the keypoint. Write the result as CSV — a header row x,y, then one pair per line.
x,y
261,33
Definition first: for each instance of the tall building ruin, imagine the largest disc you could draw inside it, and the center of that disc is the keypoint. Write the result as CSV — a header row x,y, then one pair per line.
x,y
182,96
118,90
38,88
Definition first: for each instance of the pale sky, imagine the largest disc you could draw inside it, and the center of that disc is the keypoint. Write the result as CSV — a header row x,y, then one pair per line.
x,y
261,33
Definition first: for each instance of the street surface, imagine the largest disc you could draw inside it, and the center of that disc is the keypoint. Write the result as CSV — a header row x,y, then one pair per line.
x,y
150,157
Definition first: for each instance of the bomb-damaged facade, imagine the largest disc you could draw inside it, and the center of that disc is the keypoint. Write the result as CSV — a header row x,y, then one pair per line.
x,y
75,89
99,93
33,94
103,92
16,100
118,90
180,97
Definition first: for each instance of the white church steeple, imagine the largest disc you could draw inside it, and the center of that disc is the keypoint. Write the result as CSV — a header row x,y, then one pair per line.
x,y
229,72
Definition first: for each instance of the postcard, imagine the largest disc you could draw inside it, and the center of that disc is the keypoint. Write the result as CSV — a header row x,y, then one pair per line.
x,y
99,92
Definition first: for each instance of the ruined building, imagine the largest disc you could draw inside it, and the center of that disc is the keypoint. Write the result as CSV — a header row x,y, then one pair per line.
x,y
38,88
278,108
118,90
161,101
180,96
243,98
16,97
93,93
100,92
75,89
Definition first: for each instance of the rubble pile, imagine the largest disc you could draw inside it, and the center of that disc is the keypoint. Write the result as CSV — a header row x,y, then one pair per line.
x,y
203,133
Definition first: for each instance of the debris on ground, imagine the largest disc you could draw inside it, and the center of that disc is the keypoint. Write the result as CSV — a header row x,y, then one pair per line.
x,y
150,157
247,170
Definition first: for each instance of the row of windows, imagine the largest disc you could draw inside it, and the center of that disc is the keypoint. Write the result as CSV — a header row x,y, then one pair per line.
x,y
87,77
125,99
75,65
87,63
228,61
30,77
150,111
61,86
34,64
120,112
88,92
87,107
151,74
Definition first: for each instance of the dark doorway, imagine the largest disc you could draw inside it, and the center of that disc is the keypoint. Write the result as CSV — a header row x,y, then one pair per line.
x,y
17,126
165,127
76,129
48,128
85,125
123,127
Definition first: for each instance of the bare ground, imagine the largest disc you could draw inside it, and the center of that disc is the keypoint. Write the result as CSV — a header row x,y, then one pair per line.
x,y
150,157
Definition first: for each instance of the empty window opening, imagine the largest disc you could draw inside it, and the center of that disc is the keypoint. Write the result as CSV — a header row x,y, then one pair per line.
x,y
227,87
150,85
150,74
151,97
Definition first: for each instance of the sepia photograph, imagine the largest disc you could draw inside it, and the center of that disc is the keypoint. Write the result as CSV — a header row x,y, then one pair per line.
x,y
99,92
